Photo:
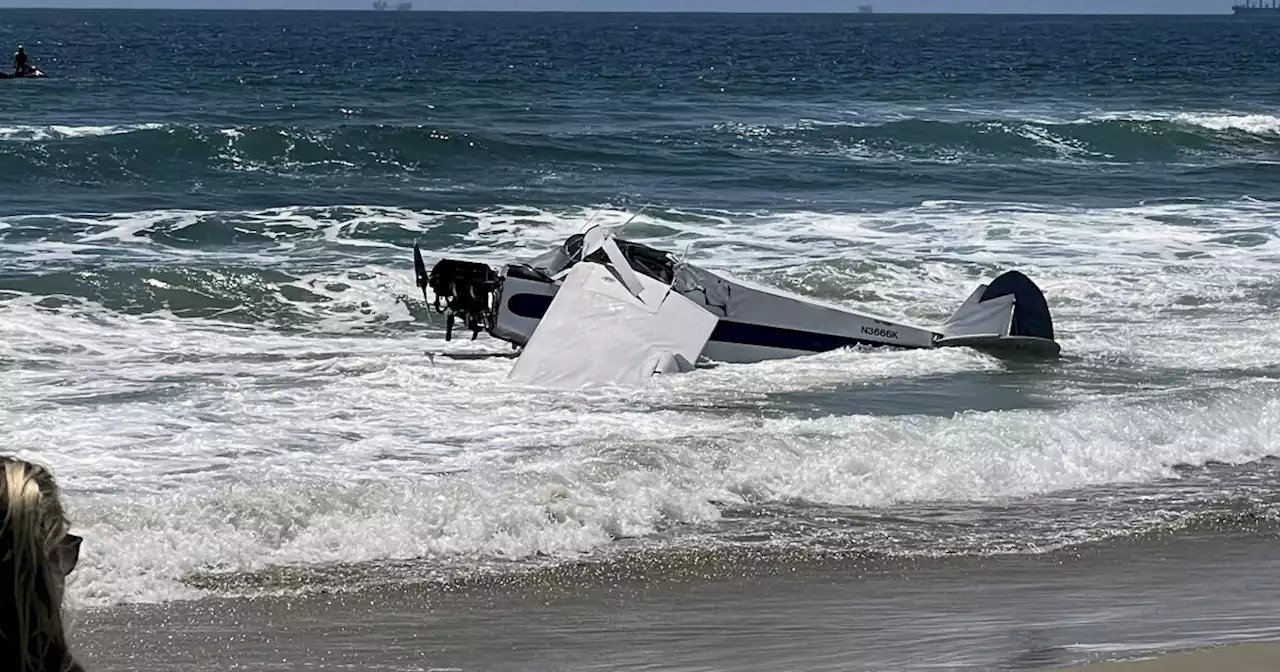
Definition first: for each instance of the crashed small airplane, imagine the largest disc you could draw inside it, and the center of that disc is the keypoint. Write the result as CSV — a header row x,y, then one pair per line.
x,y
602,310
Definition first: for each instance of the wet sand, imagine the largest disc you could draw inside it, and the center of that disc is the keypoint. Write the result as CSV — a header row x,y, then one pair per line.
x,y
1248,657
774,613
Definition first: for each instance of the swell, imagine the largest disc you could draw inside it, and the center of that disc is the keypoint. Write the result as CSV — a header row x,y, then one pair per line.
x,y
164,151
159,152
1132,140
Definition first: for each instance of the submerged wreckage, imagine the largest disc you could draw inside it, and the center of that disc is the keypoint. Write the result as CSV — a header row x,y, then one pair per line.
x,y
599,309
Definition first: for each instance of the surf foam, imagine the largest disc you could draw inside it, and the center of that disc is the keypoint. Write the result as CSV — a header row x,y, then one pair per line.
x,y
196,444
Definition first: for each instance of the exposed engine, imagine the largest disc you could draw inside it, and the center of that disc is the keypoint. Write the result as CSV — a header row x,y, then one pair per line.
x,y
463,289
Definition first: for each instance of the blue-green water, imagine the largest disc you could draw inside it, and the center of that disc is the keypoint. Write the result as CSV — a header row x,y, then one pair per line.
x,y
208,323
238,110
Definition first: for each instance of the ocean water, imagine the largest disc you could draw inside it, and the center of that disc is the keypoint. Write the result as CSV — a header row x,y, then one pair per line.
x,y
209,327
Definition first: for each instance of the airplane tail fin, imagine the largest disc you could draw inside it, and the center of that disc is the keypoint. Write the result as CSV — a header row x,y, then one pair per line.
x,y
1010,313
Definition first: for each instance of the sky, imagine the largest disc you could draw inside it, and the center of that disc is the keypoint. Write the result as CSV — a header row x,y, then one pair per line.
x,y
982,6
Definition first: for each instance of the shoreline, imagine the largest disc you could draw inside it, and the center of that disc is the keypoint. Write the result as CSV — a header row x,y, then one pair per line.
x,y
1247,656
1128,598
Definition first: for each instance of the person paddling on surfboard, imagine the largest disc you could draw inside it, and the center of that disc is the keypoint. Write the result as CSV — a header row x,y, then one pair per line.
x,y
20,65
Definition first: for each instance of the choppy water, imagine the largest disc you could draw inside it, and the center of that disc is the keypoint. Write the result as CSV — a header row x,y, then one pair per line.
x,y
208,322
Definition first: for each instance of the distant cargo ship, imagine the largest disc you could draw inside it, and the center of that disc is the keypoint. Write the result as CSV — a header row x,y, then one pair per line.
x,y
1258,8
865,9
381,5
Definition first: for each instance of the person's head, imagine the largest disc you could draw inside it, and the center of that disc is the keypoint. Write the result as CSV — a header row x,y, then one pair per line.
x,y
20,49
36,555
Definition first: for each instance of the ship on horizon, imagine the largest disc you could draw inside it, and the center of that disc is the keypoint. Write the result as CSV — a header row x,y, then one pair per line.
x,y
381,5
1265,8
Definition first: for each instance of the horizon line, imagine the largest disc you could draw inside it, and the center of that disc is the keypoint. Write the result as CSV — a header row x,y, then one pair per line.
x,y
370,10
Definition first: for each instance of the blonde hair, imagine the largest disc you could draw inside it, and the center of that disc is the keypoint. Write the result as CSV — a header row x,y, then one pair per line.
x,y
36,554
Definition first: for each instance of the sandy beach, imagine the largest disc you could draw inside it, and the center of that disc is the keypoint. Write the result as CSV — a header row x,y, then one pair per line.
x,y
744,613
1244,657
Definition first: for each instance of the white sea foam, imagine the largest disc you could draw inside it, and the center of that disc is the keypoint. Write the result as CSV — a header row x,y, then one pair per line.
x,y
1023,119
198,444
1256,123
1259,124
61,132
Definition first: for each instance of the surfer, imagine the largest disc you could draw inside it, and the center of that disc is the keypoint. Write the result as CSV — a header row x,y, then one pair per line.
x,y
20,65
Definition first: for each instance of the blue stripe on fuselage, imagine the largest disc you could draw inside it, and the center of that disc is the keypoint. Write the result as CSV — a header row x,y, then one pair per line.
x,y
534,306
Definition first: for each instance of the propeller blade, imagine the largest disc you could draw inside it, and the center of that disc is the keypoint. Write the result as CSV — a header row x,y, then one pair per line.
x,y
420,270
